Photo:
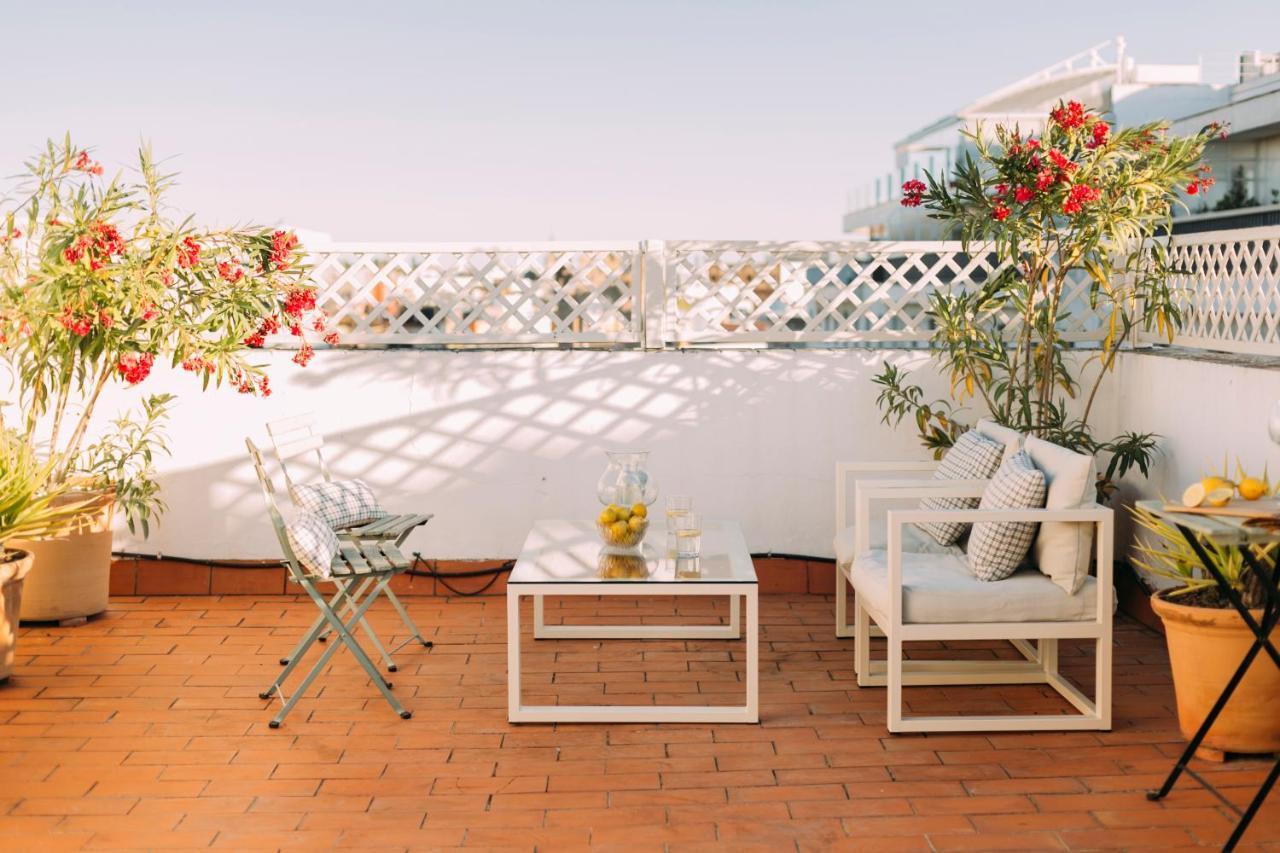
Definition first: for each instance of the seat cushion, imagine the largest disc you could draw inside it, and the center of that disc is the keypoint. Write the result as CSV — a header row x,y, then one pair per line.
x,y
1063,549
313,542
997,548
972,457
341,503
913,540
939,588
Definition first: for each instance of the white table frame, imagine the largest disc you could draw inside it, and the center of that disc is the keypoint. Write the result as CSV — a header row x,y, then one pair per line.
x,y
746,713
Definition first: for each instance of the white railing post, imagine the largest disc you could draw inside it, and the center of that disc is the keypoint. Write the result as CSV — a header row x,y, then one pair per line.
x,y
653,293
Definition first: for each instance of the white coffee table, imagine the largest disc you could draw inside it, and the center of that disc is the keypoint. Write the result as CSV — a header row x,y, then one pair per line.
x,y
564,558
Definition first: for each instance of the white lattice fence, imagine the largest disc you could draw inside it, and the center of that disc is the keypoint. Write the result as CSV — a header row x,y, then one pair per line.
x,y
1229,290
482,295
829,292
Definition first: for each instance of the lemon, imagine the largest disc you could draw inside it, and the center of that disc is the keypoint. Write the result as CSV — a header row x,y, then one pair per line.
x,y
636,523
1219,497
1194,495
618,531
623,513
1212,483
608,516
640,510
1251,488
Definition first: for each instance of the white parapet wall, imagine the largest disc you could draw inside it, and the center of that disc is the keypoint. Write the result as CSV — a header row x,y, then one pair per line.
x,y
491,440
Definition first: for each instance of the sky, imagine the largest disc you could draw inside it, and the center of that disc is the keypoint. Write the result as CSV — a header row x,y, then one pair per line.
x,y
489,120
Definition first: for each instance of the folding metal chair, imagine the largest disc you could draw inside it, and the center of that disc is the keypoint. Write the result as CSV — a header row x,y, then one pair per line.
x,y
297,436
360,574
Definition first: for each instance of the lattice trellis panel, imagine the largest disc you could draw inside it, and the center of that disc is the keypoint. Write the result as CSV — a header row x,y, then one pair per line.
x,y
823,293
481,296
1229,290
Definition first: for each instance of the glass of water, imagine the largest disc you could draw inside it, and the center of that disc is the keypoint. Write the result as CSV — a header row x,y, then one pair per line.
x,y
688,528
677,506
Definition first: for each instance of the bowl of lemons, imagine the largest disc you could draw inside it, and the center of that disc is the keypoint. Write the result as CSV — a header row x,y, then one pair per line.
x,y
622,526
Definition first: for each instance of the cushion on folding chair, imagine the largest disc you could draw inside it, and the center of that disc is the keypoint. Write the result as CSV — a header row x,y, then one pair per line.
x,y
313,542
342,503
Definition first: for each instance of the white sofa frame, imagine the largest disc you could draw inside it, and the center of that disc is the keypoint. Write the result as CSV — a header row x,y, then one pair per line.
x,y
1041,663
843,471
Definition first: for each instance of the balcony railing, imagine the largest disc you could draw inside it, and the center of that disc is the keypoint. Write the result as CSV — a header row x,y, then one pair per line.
x,y
667,295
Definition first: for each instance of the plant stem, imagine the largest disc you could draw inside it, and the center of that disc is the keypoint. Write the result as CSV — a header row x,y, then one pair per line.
x,y
73,445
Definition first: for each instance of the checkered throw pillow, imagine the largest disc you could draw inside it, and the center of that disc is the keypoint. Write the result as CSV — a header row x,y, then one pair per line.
x,y
997,548
313,542
340,504
972,457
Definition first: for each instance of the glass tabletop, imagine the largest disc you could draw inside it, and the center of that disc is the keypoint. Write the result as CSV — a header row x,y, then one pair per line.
x,y
559,551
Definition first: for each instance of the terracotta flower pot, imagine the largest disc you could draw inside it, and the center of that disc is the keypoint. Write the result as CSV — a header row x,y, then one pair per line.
x,y
73,572
13,570
1205,646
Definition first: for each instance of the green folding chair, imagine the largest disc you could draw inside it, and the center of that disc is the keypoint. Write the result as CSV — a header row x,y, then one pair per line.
x,y
295,437
360,573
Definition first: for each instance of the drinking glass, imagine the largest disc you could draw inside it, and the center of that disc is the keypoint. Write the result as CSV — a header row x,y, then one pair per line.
x,y
677,505
688,529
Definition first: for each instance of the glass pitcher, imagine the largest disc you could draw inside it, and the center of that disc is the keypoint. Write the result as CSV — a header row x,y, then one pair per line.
x,y
626,480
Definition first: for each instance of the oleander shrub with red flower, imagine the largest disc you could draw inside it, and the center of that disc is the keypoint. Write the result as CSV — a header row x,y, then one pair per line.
x,y
1079,201
100,282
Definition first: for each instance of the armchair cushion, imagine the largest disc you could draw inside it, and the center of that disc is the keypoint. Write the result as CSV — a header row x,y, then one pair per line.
x,y
972,457
939,588
913,540
997,548
1063,548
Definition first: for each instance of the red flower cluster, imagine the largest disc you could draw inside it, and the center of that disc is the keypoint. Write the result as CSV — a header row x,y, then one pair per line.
x,y
84,164
230,271
135,366
149,312
303,355
1203,179
1022,194
1078,197
299,300
76,324
331,339
188,253
105,320
100,245
197,363
1069,117
1101,132
913,193
282,245
256,340
1061,162
1000,213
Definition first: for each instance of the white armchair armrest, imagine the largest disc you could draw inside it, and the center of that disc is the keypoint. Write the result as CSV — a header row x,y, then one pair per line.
x,y
866,491
844,469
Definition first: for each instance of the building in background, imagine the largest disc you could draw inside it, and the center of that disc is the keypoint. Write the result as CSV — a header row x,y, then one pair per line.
x,y
1105,77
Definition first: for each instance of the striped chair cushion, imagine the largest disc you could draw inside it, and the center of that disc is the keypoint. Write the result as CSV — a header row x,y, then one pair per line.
x,y
340,504
313,542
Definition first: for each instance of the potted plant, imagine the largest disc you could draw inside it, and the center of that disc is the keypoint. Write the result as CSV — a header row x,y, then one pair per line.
x,y
30,506
98,283
1208,639
1079,206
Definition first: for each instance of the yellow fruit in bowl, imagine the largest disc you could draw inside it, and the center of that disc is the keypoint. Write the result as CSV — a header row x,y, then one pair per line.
x,y
618,531
636,523
607,515
624,513
1193,495
640,510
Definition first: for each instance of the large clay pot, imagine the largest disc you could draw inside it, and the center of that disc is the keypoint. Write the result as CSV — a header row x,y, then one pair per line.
x,y
1206,645
13,570
72,574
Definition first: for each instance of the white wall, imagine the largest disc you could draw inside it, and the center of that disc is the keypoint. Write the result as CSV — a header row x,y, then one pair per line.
x,y
489,441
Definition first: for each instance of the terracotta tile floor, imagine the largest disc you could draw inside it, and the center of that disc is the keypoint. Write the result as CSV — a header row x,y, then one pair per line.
x,y
143,729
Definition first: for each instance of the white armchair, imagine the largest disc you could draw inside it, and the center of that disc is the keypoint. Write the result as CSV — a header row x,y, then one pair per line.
x,y
934,597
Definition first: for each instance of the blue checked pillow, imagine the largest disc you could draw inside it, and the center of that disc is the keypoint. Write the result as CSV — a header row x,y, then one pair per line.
x,y
340,504
997,548
313,542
